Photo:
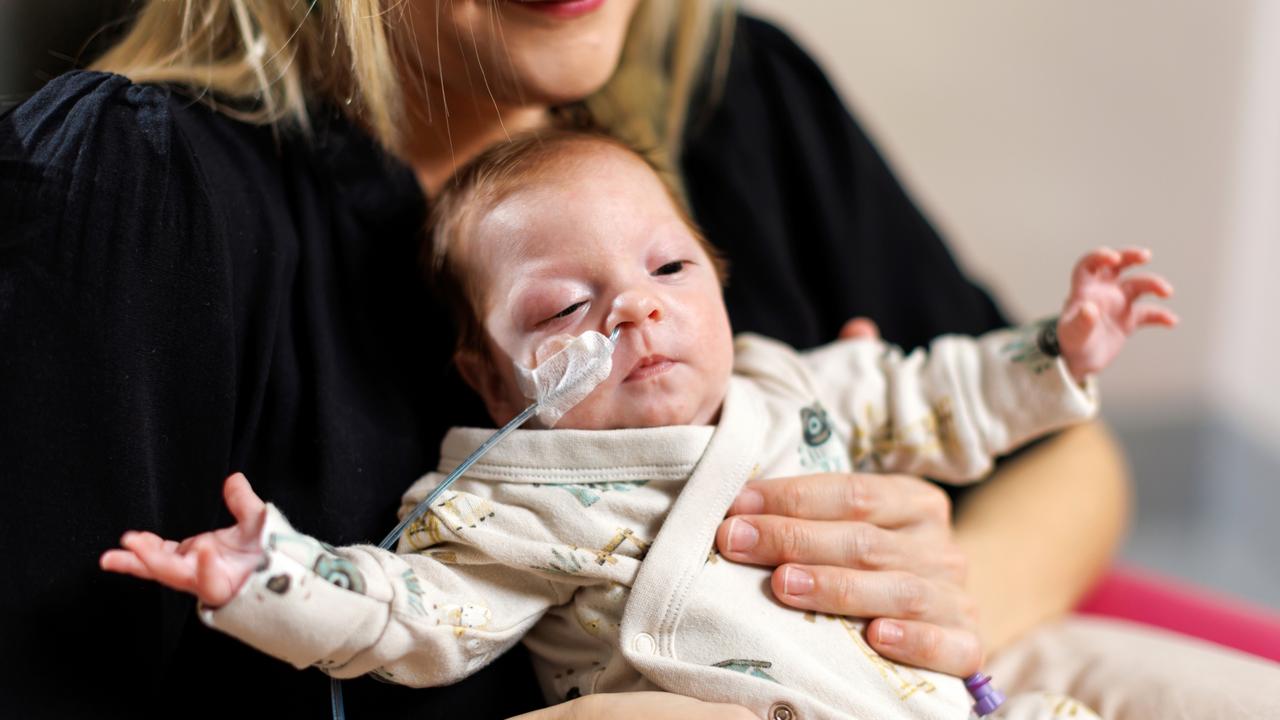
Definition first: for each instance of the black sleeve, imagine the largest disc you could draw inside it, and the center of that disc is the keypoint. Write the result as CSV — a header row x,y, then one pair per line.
x,y
816,227
116,380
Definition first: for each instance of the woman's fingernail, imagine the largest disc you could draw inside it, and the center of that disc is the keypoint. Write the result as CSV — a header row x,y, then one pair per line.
x,y
749,502
888,633
796,581
742,536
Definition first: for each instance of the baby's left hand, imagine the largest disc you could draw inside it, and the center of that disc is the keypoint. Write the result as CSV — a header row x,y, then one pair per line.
x,y
1101,310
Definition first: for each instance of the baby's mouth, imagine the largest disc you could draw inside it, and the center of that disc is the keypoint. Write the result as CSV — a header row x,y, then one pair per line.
x,y
649,366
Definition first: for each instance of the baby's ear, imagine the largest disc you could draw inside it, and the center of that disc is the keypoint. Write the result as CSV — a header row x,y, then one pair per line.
x,y
477,369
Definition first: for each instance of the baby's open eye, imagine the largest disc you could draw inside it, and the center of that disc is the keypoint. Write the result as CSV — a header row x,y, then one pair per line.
x,y
671,268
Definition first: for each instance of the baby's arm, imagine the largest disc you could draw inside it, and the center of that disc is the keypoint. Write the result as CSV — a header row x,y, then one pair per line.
x,y
1101,311
408,618
947,412
943,412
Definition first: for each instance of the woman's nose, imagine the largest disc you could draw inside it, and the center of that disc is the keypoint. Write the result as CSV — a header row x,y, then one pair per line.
x,y
634,307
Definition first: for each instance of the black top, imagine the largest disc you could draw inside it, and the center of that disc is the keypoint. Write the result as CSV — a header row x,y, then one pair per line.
x,y
182,296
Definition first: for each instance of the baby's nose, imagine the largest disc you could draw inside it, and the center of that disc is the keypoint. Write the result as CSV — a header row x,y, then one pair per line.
x,y
634,307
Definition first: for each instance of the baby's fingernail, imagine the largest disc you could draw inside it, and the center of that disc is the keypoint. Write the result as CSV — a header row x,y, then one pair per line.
x,y
796,581
742,536
749,502
888,633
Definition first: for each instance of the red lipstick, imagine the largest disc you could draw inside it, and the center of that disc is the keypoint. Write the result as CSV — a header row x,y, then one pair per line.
x,y
560,8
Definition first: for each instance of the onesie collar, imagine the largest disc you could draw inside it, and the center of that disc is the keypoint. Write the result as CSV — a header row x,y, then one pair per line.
x,y
562,456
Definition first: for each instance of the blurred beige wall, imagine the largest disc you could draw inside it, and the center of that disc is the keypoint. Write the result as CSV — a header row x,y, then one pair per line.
x,y
1249,349
1031,132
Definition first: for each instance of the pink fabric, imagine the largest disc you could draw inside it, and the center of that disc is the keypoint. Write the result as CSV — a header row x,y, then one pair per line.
x,y
1150,599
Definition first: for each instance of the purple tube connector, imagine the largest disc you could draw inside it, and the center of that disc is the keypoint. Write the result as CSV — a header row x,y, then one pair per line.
x,y
986,697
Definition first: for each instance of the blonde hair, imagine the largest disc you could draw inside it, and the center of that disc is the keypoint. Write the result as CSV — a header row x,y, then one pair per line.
x,y
270,61
490,178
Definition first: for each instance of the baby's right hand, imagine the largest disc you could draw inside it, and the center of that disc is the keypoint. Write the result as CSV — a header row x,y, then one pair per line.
x,y
212,565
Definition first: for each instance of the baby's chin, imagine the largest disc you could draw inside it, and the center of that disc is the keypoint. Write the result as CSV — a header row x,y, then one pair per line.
x,y
633,415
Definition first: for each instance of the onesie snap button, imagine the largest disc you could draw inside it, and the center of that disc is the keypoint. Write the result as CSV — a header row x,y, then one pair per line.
x,y
644,644
782,711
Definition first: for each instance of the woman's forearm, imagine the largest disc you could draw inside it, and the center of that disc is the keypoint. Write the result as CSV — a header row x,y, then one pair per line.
x,y
1042,529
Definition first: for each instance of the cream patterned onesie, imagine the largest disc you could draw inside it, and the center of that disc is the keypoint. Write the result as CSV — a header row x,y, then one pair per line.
x,y
596,547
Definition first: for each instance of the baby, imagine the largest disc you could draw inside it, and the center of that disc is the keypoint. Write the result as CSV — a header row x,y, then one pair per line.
x,y
593,542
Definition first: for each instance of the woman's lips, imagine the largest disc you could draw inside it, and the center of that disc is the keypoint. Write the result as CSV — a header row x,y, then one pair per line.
x,y
649,367
560,8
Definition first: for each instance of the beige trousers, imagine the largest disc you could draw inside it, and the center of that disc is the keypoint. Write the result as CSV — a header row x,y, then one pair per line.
x,y
1126,671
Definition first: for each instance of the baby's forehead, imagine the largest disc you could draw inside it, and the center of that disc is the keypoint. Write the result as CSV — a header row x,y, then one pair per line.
x,y
604,193
586,196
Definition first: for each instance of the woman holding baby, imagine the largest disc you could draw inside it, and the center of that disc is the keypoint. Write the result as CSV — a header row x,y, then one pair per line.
x,y
225,276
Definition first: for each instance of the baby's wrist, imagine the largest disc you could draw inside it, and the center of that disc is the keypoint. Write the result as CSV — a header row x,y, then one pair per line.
x,y
1047,338
1048,342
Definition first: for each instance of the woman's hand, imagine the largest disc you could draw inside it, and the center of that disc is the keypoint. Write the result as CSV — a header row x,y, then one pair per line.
x,y
873,546
639,706
213,565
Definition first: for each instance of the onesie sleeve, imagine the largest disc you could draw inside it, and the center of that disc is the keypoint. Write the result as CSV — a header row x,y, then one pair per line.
x,y
420,618
947,411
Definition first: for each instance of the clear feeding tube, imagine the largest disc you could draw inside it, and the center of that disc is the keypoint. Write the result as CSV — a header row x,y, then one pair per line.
x,y
555,385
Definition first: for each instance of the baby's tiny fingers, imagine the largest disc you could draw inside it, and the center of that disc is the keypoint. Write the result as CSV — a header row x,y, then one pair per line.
x,y
1078,321
184,547
860,328
1143,315
1139,285
124,562
244,503
142,540
1093,262
1134,256
212,586
169,568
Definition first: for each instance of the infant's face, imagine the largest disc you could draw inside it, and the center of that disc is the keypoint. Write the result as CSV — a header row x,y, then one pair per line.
x,y
596,245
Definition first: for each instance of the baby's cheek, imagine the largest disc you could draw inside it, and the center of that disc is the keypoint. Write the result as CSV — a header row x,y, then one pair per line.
x,y
549,347
594,413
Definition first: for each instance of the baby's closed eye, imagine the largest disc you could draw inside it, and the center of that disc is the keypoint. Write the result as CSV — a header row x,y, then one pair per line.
x,y
568,310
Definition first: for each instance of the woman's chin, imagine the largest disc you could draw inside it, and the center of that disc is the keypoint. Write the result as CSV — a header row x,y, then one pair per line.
x,y
550,83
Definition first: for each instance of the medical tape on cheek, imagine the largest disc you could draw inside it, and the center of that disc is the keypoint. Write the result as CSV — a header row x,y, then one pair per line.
x,y
566,378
